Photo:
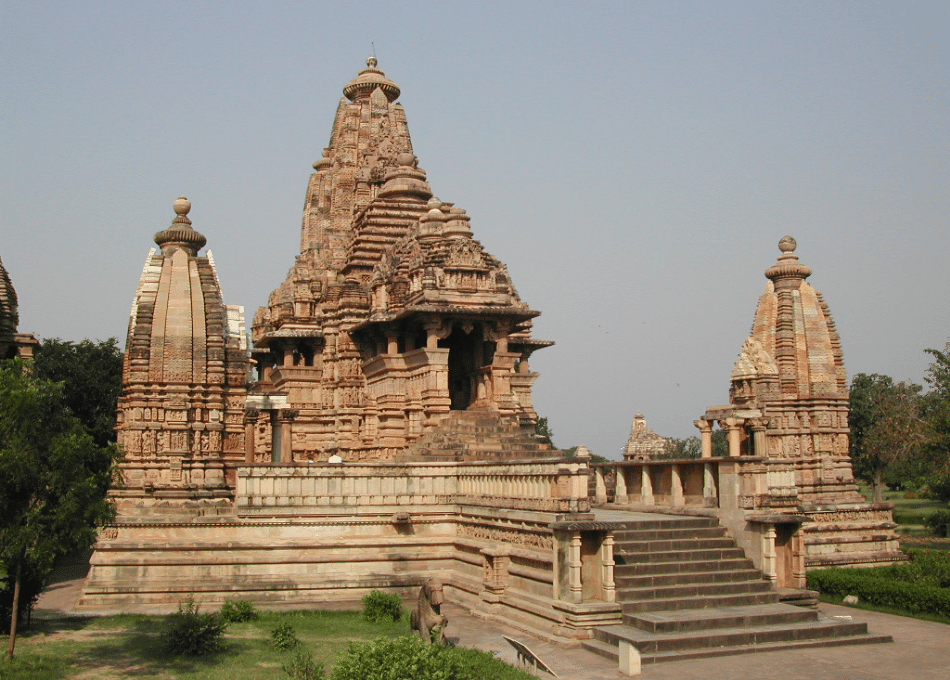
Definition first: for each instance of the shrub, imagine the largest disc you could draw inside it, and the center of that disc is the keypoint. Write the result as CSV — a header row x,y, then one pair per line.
x,y
938,487
238,611
939,523
396,659
411,658
303,667
380,606
191,633
876,589
284,637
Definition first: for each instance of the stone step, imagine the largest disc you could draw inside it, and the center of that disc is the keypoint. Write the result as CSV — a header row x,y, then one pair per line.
x,y
699,602
686,620
679,577
699,555
669,545
669,523
659,568
822,635
628,536
680,590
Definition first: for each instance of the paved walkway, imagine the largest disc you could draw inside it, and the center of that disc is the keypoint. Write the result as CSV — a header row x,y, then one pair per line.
x,y
921,650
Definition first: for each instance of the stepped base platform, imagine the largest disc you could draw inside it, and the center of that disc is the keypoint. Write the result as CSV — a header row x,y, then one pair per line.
x,y
687,591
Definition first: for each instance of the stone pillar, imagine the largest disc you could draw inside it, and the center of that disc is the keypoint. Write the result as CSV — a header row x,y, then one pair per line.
x,y
392,342
600,485
288,356
577,588
733,426
758,426
251,417
710,497
646,489
705,433
676,487
608,587
432,334
620,493
285,419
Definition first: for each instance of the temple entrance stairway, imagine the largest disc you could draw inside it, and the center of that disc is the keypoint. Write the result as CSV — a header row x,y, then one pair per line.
x,y
687,591
477,435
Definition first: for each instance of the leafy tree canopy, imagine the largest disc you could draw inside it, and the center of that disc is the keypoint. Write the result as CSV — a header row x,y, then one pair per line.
x,y
889,434
92,377
53,479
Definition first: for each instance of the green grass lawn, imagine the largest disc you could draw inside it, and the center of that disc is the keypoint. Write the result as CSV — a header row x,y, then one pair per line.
x,y
130,646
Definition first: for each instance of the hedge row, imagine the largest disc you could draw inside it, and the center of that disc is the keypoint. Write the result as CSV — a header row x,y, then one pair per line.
x,y
872,589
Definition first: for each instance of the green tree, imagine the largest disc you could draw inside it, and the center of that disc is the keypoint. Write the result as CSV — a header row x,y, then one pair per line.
x,y
937,413
681,449
888,432
53,480
543,431
92,377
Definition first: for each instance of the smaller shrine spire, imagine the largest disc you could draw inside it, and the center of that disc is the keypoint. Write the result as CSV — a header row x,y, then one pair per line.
x,y
180,234
368,80
788,272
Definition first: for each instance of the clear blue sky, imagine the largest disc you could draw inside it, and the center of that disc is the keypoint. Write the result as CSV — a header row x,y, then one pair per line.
x,y
635,164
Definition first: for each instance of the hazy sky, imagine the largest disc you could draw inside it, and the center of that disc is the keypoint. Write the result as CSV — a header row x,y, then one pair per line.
x,y
635,164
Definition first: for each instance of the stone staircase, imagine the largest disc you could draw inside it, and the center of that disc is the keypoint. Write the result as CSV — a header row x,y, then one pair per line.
x,y
687,591
477,435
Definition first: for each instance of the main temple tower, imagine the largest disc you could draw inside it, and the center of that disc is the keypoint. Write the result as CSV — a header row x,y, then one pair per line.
x,y
392,316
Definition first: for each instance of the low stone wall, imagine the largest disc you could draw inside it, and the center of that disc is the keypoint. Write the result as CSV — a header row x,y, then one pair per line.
x,y
303,535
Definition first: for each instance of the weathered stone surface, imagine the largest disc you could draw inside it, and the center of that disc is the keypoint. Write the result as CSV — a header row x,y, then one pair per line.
x,y
180,417
789,405
392,316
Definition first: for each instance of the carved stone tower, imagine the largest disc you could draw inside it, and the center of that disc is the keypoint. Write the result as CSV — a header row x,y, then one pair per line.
x,y
393,316
789,402
180,417
12,343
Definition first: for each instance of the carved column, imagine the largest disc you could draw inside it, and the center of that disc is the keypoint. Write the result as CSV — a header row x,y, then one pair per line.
x,y
285,419
733,428
577,589
251,417
758,426
607,562
705,433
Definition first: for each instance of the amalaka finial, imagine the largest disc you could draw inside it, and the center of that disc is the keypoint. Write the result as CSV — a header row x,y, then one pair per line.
x,y
788,272
180,234
182,206
371,62
787,244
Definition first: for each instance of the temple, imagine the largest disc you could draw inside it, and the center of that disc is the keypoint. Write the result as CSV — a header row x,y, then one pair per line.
x,y
643,442
180,417
12,343
380,432
789,407
392,316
